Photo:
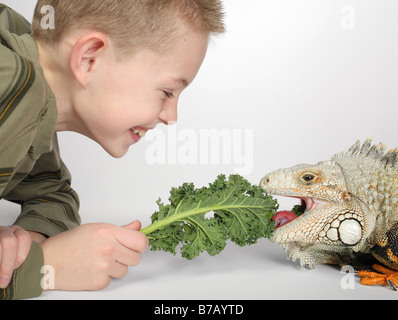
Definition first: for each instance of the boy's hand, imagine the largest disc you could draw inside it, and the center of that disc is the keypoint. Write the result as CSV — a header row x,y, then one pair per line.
x,y
15,244
88,257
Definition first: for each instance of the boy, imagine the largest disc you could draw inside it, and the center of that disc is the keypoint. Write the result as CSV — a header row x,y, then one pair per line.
x,y
110,70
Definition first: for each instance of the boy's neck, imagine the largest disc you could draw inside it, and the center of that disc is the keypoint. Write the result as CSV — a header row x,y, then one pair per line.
x,y
58,78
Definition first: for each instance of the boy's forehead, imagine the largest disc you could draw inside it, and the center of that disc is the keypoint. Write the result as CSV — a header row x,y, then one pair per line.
x,y
181,63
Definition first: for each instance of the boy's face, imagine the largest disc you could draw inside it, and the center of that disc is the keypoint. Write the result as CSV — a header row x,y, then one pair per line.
x,y
126,97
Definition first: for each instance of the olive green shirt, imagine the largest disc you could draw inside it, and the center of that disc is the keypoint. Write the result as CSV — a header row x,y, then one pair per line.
x,y
32,173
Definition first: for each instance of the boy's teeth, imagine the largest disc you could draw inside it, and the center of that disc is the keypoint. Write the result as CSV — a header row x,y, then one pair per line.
x,y
138,132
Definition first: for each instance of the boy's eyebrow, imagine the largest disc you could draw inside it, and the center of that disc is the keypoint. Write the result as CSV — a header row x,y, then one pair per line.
x,y
181,81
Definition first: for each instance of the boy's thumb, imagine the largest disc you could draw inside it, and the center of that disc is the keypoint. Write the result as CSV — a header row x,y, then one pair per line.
x,y
135,225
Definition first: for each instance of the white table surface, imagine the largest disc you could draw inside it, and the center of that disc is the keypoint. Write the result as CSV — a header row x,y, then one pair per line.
x,y
260,271
257,272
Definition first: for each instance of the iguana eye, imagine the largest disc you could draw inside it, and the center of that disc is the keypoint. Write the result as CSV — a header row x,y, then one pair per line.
x,y
308,178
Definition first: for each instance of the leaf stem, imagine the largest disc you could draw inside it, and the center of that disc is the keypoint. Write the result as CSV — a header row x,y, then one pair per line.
x,y
177,217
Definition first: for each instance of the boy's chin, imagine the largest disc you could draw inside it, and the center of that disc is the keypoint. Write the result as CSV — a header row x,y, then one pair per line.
x,y
116,152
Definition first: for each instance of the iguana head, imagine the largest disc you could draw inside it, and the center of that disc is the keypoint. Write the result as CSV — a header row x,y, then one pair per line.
x,y
348,200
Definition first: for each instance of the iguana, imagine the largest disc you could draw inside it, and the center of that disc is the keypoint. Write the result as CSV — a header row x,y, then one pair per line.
x,y
351,212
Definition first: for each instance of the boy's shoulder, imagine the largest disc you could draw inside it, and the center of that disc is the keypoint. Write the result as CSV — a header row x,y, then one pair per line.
x,y
12,21
25,96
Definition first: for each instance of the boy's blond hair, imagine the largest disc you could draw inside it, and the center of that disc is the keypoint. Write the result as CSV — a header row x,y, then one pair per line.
x,y
130,24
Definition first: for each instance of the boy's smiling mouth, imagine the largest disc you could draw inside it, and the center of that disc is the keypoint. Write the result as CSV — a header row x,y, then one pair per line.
x,y
141,132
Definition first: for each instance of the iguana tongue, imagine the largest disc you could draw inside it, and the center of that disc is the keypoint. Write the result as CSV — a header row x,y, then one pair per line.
x,y
283,217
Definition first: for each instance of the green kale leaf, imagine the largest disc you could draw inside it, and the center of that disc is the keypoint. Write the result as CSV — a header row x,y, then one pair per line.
x,y
298,210
203,219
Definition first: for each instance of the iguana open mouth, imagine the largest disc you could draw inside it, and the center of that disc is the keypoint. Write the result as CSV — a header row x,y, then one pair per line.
x,y
307,204
284,217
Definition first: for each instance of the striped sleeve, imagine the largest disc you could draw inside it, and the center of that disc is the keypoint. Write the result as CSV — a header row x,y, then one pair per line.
x,y
17,117
31,170
49,204
22,80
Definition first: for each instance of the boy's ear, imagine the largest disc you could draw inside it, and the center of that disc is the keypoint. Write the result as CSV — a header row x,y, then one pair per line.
x,y
86,54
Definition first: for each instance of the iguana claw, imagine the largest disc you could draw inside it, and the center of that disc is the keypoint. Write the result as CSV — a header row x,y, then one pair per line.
x,y
385,277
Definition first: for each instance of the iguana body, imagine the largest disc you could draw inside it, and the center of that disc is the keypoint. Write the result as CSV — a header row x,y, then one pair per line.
x,y
351,210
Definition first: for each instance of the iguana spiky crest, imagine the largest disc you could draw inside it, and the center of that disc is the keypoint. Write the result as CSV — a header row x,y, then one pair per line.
x,y
351,201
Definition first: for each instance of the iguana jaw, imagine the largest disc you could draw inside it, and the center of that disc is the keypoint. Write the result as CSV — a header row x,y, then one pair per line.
x,y
309,205
302,229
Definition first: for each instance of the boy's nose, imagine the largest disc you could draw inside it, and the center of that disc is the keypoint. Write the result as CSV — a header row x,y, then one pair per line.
x,y
169,114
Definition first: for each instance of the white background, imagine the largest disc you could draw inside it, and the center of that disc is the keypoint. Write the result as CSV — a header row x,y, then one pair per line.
x,y
306,84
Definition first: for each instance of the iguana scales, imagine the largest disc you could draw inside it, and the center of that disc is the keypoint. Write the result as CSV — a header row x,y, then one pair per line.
x,y
351,211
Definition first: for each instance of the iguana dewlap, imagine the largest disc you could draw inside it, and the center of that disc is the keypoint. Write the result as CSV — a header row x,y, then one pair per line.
x,y
351,211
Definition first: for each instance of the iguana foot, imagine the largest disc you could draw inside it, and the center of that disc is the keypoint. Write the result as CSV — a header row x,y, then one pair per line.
x,y
386,277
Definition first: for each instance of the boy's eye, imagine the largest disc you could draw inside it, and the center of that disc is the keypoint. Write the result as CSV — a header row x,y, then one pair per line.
x,y
168,94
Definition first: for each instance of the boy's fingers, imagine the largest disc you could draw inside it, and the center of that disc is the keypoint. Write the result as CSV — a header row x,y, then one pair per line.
x,y
127,257
8,253
135,225
14,248
23,245
119,271
132,239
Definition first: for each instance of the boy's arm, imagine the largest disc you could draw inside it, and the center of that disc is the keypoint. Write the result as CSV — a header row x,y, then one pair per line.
x,y
49,204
